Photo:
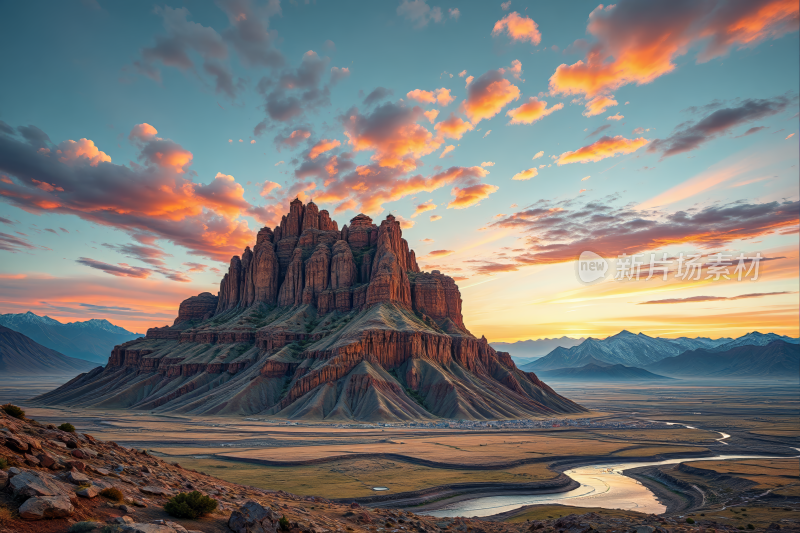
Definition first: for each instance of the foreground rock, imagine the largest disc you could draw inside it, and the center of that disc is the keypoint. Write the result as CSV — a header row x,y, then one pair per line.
x,y
253,517
320,323
46,507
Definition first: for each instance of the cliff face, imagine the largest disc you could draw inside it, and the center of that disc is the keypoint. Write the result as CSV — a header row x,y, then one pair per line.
x,y
315,322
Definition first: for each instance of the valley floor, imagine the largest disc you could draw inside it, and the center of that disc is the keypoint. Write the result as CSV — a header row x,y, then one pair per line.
x,y
347,463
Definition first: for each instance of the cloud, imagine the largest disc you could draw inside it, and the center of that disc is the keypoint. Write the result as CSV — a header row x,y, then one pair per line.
x,y
598,105
714,298
323,146
293,139
280,163
615,117
487,164
338,74
638,42
142,133
600,129
151,255
249,34
454,13
156,199
789,136
717,123
439,96
438,253
487,96
453,127
515,69
506,5
421,208
377,94
531,111
558,232
419,12
295,92
751,131
487,133
526,174
195,267
518,28
447,149
462,73
14,244
586,178
392,132
268,187
431,115
469,196
538,154
601,149
469,80
434,218
427,241
122,269
404,222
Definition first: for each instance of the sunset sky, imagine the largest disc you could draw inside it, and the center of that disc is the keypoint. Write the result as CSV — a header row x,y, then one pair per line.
x,y
142,145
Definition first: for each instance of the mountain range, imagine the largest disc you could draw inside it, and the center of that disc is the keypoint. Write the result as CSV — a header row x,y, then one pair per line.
x,y
91,340
21,356
523,352
624,348
601,372
319,323
777,360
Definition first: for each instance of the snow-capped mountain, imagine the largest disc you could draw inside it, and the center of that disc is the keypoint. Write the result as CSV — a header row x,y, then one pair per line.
x,y
755,339
91,340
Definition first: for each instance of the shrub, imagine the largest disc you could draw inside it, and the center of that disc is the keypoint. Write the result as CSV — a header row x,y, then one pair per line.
x,y
13,410
3,463
190,505
112,494
66,426
83,527
6,516
690,520
283,524
750,526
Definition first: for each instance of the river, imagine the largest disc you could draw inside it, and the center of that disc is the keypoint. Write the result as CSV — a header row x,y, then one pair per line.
x,y
602,485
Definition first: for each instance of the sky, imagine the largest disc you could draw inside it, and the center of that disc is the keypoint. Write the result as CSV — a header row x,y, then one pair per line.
x,y
142,145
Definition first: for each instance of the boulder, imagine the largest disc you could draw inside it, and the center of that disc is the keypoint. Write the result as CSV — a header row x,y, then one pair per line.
x,y
121,520
46,460
88,492
155,491
252,517
30,484
80,466
31,460
39,508
77,478
3,479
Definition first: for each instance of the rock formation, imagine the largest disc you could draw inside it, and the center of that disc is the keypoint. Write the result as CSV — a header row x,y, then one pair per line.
x,y
315,322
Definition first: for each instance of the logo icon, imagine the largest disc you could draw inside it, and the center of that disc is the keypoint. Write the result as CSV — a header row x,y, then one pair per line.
x,y
591,267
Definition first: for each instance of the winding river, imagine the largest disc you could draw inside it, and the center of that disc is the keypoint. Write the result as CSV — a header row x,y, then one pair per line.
x,y
602,485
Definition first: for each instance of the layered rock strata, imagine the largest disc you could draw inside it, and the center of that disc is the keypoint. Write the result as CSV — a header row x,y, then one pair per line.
x,y
320,323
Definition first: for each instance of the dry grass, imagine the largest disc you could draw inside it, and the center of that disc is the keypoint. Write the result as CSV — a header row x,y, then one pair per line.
x,y
758,516
545,512
655,450
6,515
355,478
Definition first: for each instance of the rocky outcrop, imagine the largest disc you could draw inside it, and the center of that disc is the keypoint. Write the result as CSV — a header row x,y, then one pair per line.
x,y
200,307
314,322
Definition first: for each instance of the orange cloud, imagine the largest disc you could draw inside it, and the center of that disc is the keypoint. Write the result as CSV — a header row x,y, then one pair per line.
x,y
84,149
487,164
447,150
331,167
519,28
453,127
598,105
421,208
637,45
601,149
441,96
526,174
431,115
615,117
438,253
469,196
487,96
323,146
142,132
268,187
434,218
531,111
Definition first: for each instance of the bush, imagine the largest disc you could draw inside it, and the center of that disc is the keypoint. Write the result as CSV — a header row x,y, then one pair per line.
x,y
66,426
3,463
83,527
13,410
192,505
112,494
283,524
690,520
6,516
750,526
